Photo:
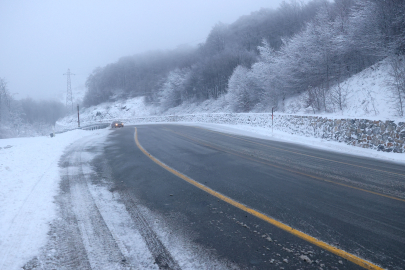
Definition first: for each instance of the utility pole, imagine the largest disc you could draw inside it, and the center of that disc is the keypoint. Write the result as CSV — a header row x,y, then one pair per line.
x,y
272,113
78,117
69,97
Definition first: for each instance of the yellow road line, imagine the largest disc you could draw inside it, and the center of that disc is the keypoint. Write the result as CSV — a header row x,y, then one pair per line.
x,y
298,153
361,262
290,170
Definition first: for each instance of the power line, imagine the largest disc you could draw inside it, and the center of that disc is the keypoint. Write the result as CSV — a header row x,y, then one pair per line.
x,y
69,95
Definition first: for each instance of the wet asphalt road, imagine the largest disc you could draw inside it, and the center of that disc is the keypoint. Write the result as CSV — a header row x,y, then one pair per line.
x,y
356,204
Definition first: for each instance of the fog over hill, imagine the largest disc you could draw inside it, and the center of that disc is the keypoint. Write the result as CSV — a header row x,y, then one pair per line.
x,y
369,94
268,57
342,58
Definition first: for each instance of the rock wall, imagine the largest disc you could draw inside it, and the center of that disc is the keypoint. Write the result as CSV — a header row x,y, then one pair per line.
x,y
380,135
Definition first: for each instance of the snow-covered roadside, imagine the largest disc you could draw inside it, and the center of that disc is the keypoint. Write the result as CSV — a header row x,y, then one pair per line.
x,y
28,183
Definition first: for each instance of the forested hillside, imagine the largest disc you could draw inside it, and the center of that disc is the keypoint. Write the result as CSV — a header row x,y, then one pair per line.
x,y
266,57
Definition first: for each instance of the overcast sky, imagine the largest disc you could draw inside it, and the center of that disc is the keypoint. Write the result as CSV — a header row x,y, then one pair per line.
x,y
40,40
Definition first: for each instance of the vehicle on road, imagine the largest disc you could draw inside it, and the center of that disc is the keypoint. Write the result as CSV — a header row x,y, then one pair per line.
x,y
117,124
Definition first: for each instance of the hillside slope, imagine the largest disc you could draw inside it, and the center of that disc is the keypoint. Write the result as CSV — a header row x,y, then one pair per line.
x,y
123,109
367,95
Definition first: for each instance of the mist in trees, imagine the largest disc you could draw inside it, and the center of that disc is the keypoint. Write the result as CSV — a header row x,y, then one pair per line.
x,y
209,66
265,57
26,117
137,75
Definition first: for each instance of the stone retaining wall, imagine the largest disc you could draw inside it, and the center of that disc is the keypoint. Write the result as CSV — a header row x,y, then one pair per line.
x,y
381,135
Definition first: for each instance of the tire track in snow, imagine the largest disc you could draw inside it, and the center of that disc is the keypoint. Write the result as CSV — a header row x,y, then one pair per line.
x,y
109,253
100,227
81,238
161,255
101,247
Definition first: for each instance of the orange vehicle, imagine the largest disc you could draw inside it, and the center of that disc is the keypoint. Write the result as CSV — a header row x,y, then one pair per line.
x,y
117,124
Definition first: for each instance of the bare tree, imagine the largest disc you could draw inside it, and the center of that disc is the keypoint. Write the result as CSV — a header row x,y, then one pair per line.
x,y
316,99
398,82
338,97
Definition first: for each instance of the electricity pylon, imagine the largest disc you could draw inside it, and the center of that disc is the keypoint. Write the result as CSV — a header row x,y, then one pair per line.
x,y
69,96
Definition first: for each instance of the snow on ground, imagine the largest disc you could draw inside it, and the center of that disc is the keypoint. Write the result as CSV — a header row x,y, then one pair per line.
x,y
123,109
29,181
219,105
30,176
136,107
368,95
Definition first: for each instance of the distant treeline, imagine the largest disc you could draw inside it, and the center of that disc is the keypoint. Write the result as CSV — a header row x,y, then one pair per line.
x,y
26,117
264,57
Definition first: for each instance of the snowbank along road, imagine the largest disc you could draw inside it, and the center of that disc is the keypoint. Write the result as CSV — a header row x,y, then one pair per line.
x,y
178,197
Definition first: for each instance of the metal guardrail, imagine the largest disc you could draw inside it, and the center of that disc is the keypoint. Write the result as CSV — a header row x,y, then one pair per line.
x,y
88,127
95,126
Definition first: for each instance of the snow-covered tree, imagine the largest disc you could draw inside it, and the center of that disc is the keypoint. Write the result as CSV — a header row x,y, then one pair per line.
x,y
243,94
265,76
173,90
4,100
